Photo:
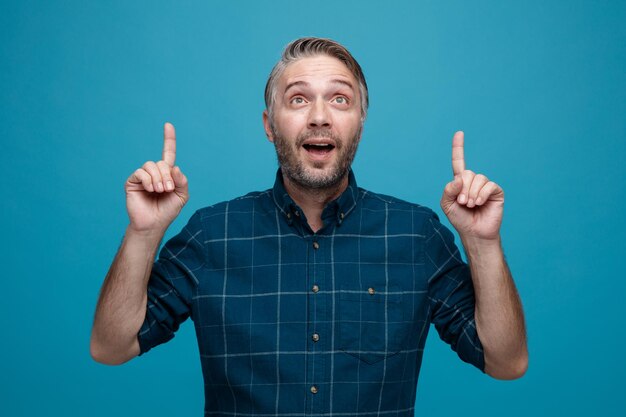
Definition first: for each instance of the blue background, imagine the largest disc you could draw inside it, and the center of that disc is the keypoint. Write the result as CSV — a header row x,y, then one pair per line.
x,y
538,87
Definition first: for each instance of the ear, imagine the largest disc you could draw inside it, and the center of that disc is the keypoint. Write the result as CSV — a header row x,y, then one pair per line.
x,y
360,131
267,126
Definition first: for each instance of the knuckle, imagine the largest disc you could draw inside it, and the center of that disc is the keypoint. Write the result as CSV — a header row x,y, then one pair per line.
x,y
467,176
164,168
152,168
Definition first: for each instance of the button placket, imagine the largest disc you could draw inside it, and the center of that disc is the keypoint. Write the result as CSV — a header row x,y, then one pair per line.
x,y
317,301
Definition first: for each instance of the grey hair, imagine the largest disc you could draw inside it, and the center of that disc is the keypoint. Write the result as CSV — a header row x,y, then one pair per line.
x,y
308,47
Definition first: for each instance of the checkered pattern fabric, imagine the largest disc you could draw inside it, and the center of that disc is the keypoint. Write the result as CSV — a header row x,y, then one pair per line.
x,y
295,323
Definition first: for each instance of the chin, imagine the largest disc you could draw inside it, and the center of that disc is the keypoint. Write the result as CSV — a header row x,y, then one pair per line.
x,y
318,174
321,180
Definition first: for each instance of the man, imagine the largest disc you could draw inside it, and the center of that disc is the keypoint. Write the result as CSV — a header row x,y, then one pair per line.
x,y
315,296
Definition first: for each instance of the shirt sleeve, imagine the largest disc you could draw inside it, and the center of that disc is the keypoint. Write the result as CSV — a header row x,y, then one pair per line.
x,y
451,294
173,281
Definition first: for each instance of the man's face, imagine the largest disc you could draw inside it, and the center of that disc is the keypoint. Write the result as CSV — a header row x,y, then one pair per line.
x,y
316,121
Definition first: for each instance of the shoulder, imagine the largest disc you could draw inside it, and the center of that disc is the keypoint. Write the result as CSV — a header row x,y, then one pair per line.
x,y
259,200
373,200
398,214
232,215
438,239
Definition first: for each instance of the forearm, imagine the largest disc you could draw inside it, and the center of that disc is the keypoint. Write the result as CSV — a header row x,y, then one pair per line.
x,y
499,315
122,303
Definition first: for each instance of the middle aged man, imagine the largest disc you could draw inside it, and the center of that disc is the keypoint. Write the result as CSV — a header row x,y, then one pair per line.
x,y
313,297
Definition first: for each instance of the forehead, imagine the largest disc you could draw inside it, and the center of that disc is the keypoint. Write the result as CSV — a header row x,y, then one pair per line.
x,y
317,68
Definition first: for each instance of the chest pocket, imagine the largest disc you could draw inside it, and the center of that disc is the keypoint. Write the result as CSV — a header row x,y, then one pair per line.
x,y
371,322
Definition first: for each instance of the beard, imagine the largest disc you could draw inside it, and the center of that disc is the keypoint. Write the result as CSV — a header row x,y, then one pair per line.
x,y
313,177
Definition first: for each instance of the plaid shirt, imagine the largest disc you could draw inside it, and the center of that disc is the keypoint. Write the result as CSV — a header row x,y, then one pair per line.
x,y
295,323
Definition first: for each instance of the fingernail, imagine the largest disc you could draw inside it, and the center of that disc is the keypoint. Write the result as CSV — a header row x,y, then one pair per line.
x,y
160,186
170,185
470,202
150,188
462,199
479,200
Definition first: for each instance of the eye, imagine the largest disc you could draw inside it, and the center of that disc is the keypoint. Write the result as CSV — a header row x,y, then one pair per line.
x,y
297,100
341,100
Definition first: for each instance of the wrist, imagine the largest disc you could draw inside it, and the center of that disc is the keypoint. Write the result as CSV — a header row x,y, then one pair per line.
x,y
474,245
149,236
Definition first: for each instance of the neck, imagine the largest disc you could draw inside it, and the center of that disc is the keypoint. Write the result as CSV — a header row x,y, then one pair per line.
x,y
313,201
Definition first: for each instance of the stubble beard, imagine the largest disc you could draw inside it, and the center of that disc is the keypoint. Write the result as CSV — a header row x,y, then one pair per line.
x,y
312,178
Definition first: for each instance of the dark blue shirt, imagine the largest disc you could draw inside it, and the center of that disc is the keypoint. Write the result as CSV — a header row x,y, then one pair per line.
x,y
295,323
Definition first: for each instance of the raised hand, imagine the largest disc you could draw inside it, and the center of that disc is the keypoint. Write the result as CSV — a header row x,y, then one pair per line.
x,y
156,192
473,204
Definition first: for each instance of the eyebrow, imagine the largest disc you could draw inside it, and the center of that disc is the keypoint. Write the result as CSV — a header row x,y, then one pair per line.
x,y
344,82
304,83
295,84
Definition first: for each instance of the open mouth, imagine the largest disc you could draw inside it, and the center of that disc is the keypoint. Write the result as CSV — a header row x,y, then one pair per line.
x,y
318,148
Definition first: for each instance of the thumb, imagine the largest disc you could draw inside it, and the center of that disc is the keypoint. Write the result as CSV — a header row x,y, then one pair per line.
x,y
180,180
451,192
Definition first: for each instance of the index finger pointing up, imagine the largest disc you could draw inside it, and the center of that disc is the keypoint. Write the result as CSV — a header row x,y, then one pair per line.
x,y
458,157
169,144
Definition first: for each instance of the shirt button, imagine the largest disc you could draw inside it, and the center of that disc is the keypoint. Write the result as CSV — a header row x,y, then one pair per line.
x,y
315,288
371,291
297,213
313,389
341,216
315,337
316,245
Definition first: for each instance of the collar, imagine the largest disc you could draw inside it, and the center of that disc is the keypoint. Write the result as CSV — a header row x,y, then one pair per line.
x,y
337,210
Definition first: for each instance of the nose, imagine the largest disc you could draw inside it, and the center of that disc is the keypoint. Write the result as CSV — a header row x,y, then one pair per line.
x,y
319,116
